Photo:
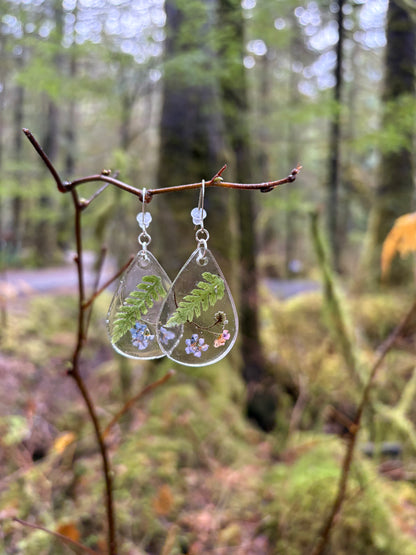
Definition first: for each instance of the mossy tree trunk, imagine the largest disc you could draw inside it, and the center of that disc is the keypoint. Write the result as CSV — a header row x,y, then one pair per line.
x,y
335,148
204,107
395,192
46,229
17,202
261,402
191,138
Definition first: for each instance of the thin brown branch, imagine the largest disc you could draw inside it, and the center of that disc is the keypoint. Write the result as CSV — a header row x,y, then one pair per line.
x,y
98,273
325,533
215,181
342,418
99,270
98,292
218,182
68,186
74,372
299,405
61,537
47,162
127,406
86,202
71,185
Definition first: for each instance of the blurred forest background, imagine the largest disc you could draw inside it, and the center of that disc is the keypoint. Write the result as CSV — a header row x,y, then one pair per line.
x,y
244,456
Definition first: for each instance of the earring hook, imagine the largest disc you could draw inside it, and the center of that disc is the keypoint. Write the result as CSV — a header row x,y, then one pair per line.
x,y
143,219
201,202
143,201
198,214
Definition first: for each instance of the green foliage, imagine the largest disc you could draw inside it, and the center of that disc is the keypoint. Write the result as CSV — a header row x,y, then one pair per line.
x,y
14,429
206,293
137,304
397,130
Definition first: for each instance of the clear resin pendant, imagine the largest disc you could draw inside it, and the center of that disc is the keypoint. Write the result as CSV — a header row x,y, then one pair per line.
x,y
133,312
198,322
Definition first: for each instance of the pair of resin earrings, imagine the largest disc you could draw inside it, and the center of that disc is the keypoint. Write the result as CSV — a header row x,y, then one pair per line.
x,y
193,320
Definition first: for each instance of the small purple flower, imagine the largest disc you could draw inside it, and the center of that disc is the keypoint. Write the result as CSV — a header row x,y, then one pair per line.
x,y
195,346
222,338
141,336
166,335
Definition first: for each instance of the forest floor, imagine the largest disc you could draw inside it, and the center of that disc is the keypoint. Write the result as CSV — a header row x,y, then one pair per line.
x,y
192,474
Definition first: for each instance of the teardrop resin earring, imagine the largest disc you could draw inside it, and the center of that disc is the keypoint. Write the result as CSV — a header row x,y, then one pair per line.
x,y
198,321
133,312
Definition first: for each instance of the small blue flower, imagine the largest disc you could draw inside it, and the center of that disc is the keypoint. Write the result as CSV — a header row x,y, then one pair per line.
x,y
166,335
141,336
195,346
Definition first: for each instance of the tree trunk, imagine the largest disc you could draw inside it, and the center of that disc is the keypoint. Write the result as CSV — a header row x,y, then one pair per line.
x,y
191,140
46,240
334,149
261,402
46,235
17,201
395,192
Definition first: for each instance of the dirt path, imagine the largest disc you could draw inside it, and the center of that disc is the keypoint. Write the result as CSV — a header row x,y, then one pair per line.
x,y
19,283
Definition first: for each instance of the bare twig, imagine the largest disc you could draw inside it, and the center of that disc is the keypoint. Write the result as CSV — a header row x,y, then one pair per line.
x,y
86,202
98,273
61,537
74,372
299,405
218,182
215,181
384,349
107,283
47,162
127,406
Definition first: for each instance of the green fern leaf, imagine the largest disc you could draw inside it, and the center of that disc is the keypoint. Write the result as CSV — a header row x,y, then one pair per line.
x,y
206,293
137,304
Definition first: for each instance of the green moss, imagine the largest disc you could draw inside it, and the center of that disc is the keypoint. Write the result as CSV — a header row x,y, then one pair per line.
x,y
377,314
300,497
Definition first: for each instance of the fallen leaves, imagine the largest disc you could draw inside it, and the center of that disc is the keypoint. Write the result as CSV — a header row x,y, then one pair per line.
x,y
63,441
163,502
69,530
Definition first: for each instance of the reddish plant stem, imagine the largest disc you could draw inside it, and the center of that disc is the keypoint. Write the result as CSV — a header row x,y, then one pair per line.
x,y
74,372
215,181
127,406
94,294
61,537
107,283
47,162
325,533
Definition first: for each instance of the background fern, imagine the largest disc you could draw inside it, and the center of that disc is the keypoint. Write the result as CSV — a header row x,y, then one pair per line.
x,y
149,290
206,293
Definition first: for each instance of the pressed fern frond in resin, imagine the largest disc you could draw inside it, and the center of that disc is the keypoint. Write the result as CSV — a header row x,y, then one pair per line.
x,y
137,304
206,293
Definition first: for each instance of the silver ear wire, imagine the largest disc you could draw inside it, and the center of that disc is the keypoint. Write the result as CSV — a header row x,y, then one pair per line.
x,y
201,202
144,218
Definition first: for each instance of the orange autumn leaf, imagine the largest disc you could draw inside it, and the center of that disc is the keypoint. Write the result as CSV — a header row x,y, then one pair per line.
x,y
62,442
163,501
69,530
400,240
